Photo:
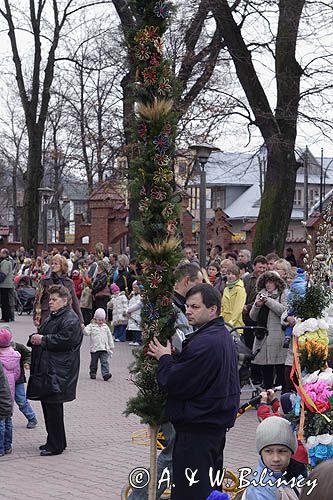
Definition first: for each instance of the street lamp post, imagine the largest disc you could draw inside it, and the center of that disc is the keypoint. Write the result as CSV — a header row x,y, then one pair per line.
x,y
203,152
46,194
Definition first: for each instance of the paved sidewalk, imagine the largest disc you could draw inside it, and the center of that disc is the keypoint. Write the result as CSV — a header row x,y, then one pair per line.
x,y
100,452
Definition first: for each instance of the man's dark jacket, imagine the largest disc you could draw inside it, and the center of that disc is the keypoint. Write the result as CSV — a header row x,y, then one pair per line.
x,y
6,402
55,364
202,383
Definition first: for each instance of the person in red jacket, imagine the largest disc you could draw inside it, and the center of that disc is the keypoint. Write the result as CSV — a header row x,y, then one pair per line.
x,y
78,283
270,406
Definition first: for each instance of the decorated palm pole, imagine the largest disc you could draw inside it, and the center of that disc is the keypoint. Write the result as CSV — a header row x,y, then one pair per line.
x,y
312,376
156,233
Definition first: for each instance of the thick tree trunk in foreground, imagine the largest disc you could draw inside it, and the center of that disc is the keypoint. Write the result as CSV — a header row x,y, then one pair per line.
x,y
277,200
34,176
277,129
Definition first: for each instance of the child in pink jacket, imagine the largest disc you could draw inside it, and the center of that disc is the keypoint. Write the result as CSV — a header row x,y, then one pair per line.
x,y
10,361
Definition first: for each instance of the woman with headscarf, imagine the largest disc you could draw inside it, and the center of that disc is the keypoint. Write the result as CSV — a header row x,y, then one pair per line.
x,y
122,277
58,276
100,289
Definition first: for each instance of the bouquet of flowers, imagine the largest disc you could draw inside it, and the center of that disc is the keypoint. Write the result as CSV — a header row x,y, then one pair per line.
x,y
312,377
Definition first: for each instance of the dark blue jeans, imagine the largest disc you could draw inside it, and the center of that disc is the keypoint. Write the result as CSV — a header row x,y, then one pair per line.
x,y
6,434
103,356
120,332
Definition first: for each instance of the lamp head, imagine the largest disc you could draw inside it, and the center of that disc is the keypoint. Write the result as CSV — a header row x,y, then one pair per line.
x,y
203,151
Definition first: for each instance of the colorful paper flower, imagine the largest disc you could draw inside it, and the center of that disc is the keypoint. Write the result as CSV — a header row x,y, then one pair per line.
x,y
171,227
154,60
158,193
142,52
150,76
164,87
161,142
150,32
166,300
154,280
162,9
140,36
162,160
144,205
142,130
168,210
160,267
151,312
158,43
163,175
318,392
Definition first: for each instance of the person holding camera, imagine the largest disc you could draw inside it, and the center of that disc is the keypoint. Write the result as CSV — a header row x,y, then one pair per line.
x,y
269,305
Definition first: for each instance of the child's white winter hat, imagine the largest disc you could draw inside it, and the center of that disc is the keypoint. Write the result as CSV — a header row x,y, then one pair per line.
x,y
100,314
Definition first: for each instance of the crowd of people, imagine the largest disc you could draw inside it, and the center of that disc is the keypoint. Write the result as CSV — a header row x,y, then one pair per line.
x,y
100,295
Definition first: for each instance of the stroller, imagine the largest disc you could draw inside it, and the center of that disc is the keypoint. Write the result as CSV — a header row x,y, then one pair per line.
x,y
25,296
246,356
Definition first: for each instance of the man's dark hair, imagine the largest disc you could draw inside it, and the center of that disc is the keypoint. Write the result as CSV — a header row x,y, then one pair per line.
x,y
190,270
289,249
240,265
272,256
210,295
260,259
219,248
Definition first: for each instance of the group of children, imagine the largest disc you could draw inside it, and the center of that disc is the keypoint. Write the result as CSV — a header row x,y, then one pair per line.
x,y
126,316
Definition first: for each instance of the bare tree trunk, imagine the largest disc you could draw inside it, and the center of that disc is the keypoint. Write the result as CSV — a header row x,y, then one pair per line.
x,y
35,172
128,103
275,210
16,232
278,130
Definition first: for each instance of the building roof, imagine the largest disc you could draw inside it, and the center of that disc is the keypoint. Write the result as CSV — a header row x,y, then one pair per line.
x,y
75,190
104,192
243,169
230,169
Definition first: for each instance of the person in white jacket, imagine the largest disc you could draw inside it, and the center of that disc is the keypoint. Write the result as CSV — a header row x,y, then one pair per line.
x,y
101,344
119,306
134,314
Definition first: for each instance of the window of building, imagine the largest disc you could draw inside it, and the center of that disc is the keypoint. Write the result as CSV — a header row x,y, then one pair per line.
x,y
208,197
298,197
195,198
313,196
218,197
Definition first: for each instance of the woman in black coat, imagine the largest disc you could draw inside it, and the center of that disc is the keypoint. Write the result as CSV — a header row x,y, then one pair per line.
x,y
58,276
55,365
100,289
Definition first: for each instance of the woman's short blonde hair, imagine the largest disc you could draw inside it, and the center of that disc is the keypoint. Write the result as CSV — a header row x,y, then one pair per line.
x,y
123,261
283,264
62,261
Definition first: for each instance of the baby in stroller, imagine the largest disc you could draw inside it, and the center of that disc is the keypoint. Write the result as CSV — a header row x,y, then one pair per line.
x,y
245,355
25,295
